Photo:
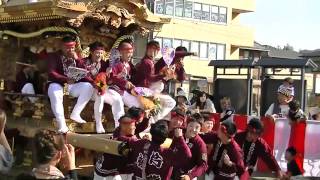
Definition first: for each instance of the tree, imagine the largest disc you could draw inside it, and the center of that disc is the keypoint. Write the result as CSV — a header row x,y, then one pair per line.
x,y
288,47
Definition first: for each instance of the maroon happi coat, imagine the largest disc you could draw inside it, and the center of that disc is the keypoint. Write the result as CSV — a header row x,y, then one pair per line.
x,y
56,72
145,73
254,150
153,162
180,71
196,165
111,165
97,68
121,74
233,150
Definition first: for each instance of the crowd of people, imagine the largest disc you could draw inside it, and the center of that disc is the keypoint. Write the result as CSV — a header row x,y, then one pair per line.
x,y
196,151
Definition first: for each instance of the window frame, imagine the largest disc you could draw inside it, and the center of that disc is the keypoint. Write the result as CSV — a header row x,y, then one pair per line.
x,y
207,53
155,7
204,20
183,8
198,52
224,51
226,20
214,44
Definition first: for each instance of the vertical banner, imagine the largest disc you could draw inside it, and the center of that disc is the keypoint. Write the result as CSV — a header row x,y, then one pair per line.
x,y
281,141
268,136
311,163
297,139
241,121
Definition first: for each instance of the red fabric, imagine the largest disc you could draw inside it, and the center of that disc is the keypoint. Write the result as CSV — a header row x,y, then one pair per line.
x,y
268,136
297,138
216,116
241,121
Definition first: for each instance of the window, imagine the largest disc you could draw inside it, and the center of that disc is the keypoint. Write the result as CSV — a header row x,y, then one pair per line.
x,y
160,6
150,5
169,5
214,13
179,8
186,44
203,50
188,9
222,14
197,13
176,43
195,47
167,42
205,12
212,52
221,51
246,55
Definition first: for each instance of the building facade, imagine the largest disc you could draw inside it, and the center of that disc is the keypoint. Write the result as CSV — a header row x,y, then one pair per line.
x,y
211,28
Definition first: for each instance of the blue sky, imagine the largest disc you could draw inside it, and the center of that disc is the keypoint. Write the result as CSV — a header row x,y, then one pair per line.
x,y
278,22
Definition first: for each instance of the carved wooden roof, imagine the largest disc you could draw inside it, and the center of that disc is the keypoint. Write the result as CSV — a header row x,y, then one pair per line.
x,y
110,12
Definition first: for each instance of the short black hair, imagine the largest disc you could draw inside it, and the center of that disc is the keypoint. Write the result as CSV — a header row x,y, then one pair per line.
x,y
95,45
294,105
124,116
135,112
256,124
197,119
159,131
67,39
129,41
181,48
230,126
153,43
292,150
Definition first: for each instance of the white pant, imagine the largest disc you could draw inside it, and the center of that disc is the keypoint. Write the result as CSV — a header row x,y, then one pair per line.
x,y
82,90
130,100
166,101
117,177
29,89
167,104
112,98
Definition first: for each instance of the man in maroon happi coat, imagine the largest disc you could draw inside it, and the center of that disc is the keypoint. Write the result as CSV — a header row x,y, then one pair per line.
x,y
180,73
255,147
197,165
58,68
226,159
95,65
151,161
147,77
111,166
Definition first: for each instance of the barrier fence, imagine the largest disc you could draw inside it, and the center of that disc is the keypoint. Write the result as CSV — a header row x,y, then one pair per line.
x,y
304,136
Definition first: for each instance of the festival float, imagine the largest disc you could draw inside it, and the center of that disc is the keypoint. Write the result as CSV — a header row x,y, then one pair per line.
x,y
30,28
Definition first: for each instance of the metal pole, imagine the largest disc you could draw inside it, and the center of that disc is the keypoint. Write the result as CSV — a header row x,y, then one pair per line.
x,y
303,89
249,92
263,76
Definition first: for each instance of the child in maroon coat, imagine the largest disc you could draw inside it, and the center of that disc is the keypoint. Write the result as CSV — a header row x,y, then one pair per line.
x,y
150,160
197,165
226,160
112,166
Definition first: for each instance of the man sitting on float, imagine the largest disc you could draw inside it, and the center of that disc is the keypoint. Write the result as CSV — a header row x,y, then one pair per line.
x,y
146,77
98,73
61,79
